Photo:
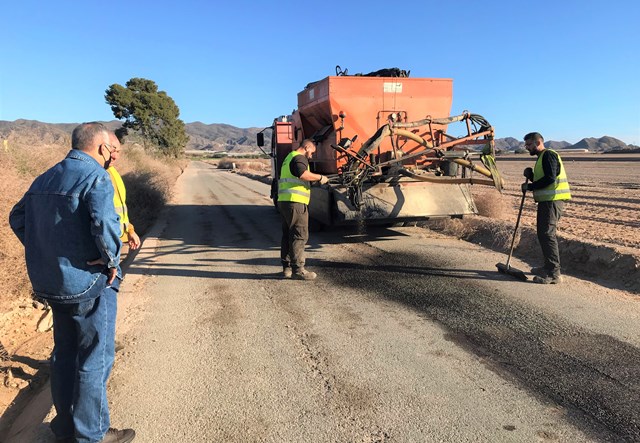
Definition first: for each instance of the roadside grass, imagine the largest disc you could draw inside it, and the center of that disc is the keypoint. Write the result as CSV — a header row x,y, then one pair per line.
x,y
489,227
491,203
149,182
19,165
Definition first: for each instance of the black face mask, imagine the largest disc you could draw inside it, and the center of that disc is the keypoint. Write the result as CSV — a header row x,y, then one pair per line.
x,y
107,162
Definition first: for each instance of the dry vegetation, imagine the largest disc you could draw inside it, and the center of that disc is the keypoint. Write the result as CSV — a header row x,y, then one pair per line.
x,y
149,183
19,167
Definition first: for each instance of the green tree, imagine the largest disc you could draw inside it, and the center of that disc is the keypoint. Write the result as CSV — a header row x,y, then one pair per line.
x,y
149,112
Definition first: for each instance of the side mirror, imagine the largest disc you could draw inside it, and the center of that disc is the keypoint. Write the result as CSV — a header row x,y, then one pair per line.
x,y
260,139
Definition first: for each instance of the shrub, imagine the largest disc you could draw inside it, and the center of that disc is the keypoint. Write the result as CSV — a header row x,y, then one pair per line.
x,y
491,203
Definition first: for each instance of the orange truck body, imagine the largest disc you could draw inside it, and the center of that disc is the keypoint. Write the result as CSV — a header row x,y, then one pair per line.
x,y
367,103
408,173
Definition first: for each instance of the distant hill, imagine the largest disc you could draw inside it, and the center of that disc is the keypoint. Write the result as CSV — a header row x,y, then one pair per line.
x,y
512,144
508,144
556,145
603,144
223,137
216,137
31,132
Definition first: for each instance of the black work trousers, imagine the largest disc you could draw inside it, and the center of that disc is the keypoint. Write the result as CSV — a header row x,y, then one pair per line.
x,y
548,216
295,233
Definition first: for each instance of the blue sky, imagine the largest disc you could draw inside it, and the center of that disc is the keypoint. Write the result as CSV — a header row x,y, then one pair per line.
x,y
567,69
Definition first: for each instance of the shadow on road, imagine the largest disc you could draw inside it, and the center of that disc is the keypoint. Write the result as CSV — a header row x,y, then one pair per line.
x,y
193,230
592,373
595,374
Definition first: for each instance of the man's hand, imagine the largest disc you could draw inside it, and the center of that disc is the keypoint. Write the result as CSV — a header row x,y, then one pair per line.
x,y
524,187
324,180
528,173
113,272
134,240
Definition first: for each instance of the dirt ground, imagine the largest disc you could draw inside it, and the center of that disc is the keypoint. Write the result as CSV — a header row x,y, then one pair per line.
x,y
600,234
606,196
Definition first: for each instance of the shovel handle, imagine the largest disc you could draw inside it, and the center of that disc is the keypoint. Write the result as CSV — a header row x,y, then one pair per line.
x,y
515,230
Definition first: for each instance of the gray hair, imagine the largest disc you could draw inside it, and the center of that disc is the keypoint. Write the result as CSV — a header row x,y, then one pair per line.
x,y
84,135
534,137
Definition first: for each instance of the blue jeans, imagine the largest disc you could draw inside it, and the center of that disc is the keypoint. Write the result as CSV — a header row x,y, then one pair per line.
x,y
83,355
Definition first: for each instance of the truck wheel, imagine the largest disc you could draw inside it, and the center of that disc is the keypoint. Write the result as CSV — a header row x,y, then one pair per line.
x,y
315,225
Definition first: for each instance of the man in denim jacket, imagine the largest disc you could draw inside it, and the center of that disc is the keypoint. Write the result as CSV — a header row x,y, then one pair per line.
x,y
68,226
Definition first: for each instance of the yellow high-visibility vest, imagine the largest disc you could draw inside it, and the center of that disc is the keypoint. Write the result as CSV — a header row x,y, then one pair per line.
x,y
558,190
290,187
119,201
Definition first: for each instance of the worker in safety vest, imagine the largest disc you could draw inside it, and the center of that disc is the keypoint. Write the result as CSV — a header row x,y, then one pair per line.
x,y
294,194
550,190
128,234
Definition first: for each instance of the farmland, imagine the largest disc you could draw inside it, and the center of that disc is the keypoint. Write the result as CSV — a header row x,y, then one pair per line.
x,y
606,196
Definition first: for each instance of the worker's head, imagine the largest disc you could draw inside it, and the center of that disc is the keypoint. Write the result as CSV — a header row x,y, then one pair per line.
x,y
115,148
94,139
534,143
308,147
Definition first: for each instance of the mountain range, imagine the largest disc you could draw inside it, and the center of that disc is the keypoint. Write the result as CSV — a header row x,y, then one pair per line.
x,y
223,137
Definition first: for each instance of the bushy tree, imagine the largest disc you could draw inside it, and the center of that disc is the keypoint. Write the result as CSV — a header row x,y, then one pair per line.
x,y
149,112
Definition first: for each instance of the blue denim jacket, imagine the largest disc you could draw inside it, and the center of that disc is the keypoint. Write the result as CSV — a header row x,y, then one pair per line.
x,y
66,219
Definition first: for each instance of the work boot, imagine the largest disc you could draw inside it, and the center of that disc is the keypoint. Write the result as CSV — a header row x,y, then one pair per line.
x,y
540,271
118,436
287,272
548,280
303,274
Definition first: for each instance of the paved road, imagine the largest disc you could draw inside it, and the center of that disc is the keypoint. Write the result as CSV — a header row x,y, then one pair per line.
x,y
406,336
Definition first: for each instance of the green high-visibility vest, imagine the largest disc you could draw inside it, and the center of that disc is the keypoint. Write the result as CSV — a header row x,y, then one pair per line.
x,y
558,190
290,187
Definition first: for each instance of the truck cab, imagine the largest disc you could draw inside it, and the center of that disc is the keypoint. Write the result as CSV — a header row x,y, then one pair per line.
x,y
281,146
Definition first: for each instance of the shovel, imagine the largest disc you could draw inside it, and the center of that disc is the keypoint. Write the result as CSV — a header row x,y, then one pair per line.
x,y
505,268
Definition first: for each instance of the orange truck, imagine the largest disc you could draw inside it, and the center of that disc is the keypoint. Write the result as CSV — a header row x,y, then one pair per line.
x,y
384,141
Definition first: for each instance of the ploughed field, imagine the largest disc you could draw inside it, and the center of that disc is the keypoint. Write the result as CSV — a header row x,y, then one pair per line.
x,y
605,205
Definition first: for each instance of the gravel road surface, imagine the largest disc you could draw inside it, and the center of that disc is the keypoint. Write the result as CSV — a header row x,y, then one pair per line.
x,y
406,336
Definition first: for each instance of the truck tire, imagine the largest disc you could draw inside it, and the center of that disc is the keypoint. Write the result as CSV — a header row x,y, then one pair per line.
x,y
315,225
